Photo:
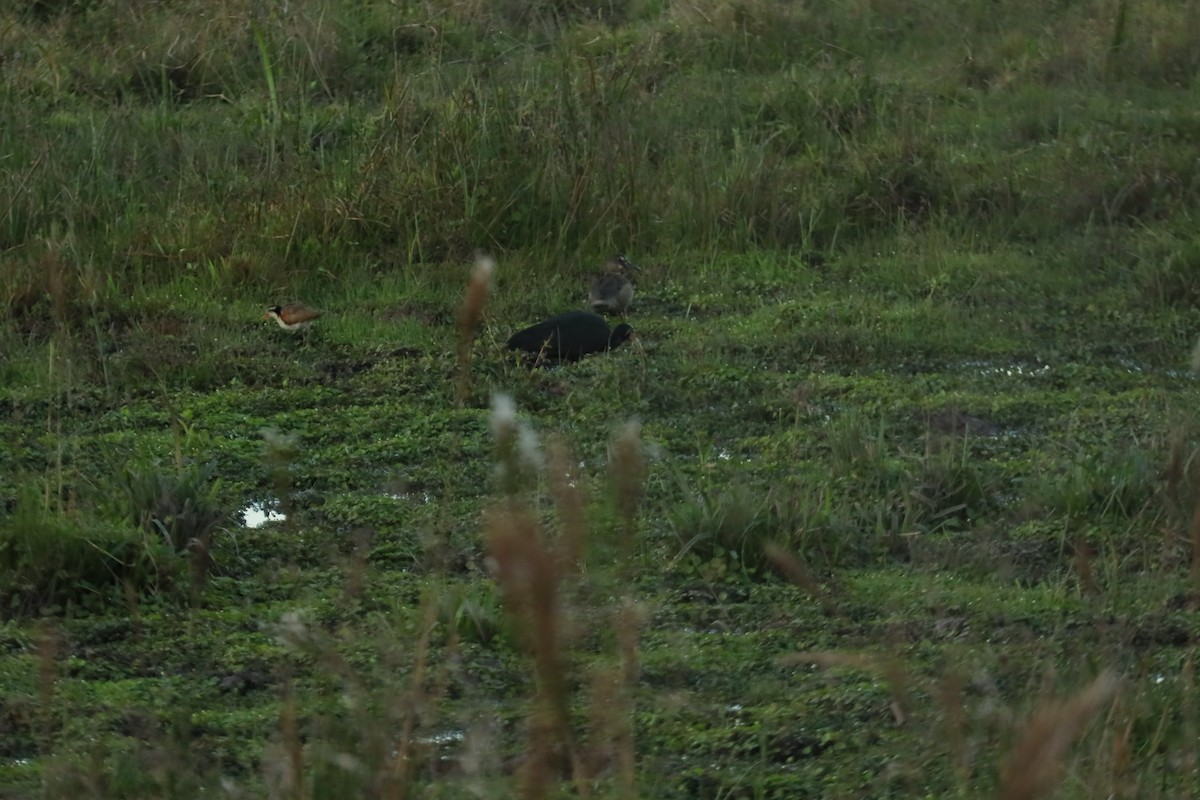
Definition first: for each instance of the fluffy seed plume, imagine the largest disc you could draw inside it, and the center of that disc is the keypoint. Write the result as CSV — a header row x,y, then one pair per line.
x,y
626,469
518,456
504,416
470,314
1036,761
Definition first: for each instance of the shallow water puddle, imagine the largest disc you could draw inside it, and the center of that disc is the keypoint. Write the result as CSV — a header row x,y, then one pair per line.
x,y
409,497
1005,370
444,737
443,740
260,513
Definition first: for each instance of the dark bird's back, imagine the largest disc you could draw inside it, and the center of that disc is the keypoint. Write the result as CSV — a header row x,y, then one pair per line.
x,y
569,336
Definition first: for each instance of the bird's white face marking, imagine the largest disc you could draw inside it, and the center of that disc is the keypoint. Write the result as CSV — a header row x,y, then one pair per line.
x,y
288,326
293,317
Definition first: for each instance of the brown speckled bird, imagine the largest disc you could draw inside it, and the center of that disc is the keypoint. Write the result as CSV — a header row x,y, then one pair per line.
x,y
612,291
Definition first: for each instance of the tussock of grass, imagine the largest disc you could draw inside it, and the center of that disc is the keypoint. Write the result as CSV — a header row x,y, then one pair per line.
x,y
231,114
61,560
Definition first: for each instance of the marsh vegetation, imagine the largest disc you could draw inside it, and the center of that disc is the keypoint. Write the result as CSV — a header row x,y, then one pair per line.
x,y
898,501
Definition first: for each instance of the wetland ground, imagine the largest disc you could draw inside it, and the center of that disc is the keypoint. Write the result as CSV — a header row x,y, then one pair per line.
x,y
899,500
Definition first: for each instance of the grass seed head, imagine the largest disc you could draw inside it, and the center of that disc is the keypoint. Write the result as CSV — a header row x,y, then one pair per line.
x,y
471,312
470,315
518,454
1036,761
504,415
628,469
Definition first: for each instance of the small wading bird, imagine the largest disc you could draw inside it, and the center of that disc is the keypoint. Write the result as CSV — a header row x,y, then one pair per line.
x,y
292,317
571,336
612,291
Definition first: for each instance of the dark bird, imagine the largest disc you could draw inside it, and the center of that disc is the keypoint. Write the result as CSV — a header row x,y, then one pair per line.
x,y
293,316
612,291
570,336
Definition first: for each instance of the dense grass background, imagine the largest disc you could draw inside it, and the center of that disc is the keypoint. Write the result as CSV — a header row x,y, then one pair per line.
x,y
911,504
250,148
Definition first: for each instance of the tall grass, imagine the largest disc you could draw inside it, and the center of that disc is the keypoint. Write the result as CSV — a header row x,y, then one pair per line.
x,y
261,148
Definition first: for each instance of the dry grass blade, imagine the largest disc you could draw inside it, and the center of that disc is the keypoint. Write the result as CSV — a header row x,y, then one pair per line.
x,y
357,567
611,743
1190,722
1084,556
285,765
1194,536
1036,761
46,654
1174,474
627,469
407,759
527,571
795,570
949,695
629,625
